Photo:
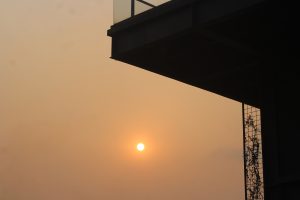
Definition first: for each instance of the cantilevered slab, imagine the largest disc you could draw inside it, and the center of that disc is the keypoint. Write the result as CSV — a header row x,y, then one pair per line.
x,y
213,45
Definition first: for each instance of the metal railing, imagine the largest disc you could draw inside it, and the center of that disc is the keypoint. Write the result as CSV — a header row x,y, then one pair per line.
x,y
124,9
133,2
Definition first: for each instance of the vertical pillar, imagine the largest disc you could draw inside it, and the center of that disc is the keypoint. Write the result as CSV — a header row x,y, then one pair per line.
x,y
270,132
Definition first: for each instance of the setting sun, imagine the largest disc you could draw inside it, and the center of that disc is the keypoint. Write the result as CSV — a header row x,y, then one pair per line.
x,y
140,147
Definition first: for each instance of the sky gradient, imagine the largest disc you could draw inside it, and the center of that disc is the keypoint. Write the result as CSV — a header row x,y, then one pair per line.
x,y
70,116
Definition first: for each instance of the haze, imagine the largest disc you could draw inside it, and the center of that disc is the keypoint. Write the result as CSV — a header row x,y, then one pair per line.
x,y
70,117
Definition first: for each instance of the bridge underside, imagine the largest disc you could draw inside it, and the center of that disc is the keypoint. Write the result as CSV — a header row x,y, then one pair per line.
x,y
216,53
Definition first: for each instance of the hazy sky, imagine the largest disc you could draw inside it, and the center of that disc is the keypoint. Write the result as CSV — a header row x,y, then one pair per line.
x,y
70,117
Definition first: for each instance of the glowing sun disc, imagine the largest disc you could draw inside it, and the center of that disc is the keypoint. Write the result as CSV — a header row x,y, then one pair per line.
x,y
140,147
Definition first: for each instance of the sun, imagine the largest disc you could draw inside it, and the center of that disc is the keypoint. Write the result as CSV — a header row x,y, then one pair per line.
x,y
140,147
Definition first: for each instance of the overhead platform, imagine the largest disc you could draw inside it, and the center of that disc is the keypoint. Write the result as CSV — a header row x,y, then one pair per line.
x,y
214,45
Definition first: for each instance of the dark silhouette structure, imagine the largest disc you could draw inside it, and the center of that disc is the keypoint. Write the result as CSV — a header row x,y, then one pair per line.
x,y
240,49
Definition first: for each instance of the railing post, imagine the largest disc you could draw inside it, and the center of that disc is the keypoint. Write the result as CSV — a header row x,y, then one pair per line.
x,y
132,7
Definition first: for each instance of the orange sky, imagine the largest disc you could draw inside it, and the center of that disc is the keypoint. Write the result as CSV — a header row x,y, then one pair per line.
x,y
70,117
